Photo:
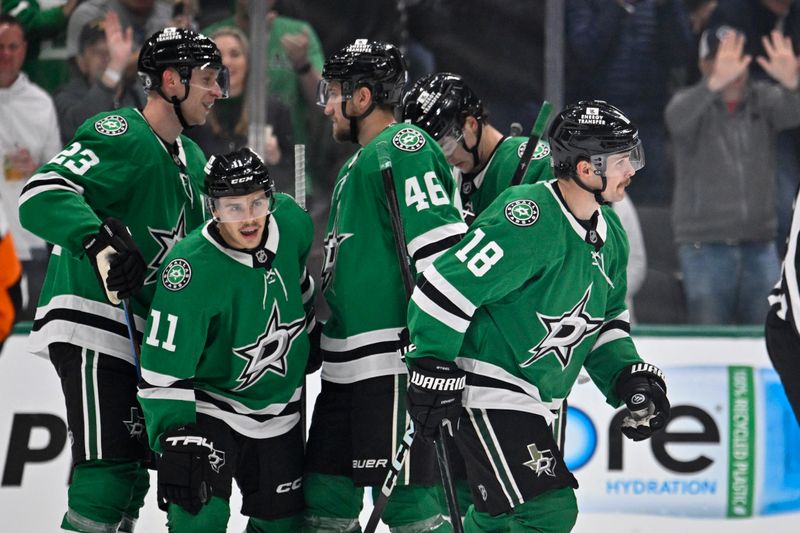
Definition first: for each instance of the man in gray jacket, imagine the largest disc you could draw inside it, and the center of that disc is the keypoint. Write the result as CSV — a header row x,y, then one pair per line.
x,y
724,130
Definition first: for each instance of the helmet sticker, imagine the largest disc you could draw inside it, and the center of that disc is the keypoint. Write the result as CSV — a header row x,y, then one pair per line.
x,y
111,125
592,116
176,275
522,212
408,140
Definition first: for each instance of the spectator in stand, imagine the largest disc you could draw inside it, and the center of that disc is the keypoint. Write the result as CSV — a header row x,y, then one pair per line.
x,y
725,130
226,126
28,138
756,19
97,83
145,17
294,63
40,25
623,51
10,276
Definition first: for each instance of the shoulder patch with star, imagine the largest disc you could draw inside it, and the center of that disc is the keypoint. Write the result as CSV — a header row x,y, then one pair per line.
x,y
541,151
522,212
177,274
112,125
408,140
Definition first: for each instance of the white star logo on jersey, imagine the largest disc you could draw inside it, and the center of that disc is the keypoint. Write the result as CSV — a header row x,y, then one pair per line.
x,y
542,462
565,332
268,353
333,240
165,239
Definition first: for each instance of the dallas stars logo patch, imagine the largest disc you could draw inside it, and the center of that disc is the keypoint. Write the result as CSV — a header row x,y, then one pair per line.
x,y
408,140
111,125
522,212
333,240
565,332
176,275
541,151
542,462
268,353
165,239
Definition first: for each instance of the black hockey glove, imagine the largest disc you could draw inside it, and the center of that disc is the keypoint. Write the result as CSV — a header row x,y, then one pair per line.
x,y
642,387
186,468
434,393
117,261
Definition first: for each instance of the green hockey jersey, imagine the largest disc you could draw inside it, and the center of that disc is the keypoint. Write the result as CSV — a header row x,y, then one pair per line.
x,y
361,274
526,299
227,331
479,190
115,166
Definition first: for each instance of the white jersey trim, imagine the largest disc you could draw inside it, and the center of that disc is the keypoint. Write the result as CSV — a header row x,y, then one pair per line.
x,y
435,311
447,289
79,334
249,427
166,393
373,366
602,227
331,344
435,235
34,189
157,379
271,409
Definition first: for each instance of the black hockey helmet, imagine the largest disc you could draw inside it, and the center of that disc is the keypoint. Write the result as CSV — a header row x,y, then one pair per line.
x,y
592,130
237,173
181,49
374,64
439,103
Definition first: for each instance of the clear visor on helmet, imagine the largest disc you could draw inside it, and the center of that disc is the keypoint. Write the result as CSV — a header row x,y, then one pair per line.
x,y
207,77
451,140
240,208
328,91
620,160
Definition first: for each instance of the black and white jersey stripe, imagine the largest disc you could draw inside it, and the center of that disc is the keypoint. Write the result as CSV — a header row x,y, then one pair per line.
x,y
49,181
617,328
440,299
425,248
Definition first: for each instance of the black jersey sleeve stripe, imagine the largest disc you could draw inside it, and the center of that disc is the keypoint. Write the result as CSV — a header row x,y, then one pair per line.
x,y
51,179
436,296
436,247
616,324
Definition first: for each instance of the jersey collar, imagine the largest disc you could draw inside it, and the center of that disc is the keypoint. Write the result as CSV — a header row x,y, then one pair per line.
x,y
594,232
476,179
259,258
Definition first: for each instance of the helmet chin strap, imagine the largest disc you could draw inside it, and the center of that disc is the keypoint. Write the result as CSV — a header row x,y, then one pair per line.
x,y
476,161
598,193
176,105
354,119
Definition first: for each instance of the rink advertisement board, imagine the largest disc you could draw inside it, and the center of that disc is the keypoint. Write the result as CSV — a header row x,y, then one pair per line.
x,y
730,451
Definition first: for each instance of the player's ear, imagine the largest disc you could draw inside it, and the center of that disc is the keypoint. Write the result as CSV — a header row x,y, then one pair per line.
x,y
362,98
584,169
170,79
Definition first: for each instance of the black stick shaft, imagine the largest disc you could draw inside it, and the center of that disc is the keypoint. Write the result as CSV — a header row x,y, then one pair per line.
x,y
533,140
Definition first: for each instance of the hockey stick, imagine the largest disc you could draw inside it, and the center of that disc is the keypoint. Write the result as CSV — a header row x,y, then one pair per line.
x,y
385,163
300,198
131,323
300,175
533,140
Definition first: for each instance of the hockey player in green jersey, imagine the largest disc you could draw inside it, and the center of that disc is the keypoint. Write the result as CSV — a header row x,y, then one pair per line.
x,y
359,417
534,293
127,183
485,160
225,353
